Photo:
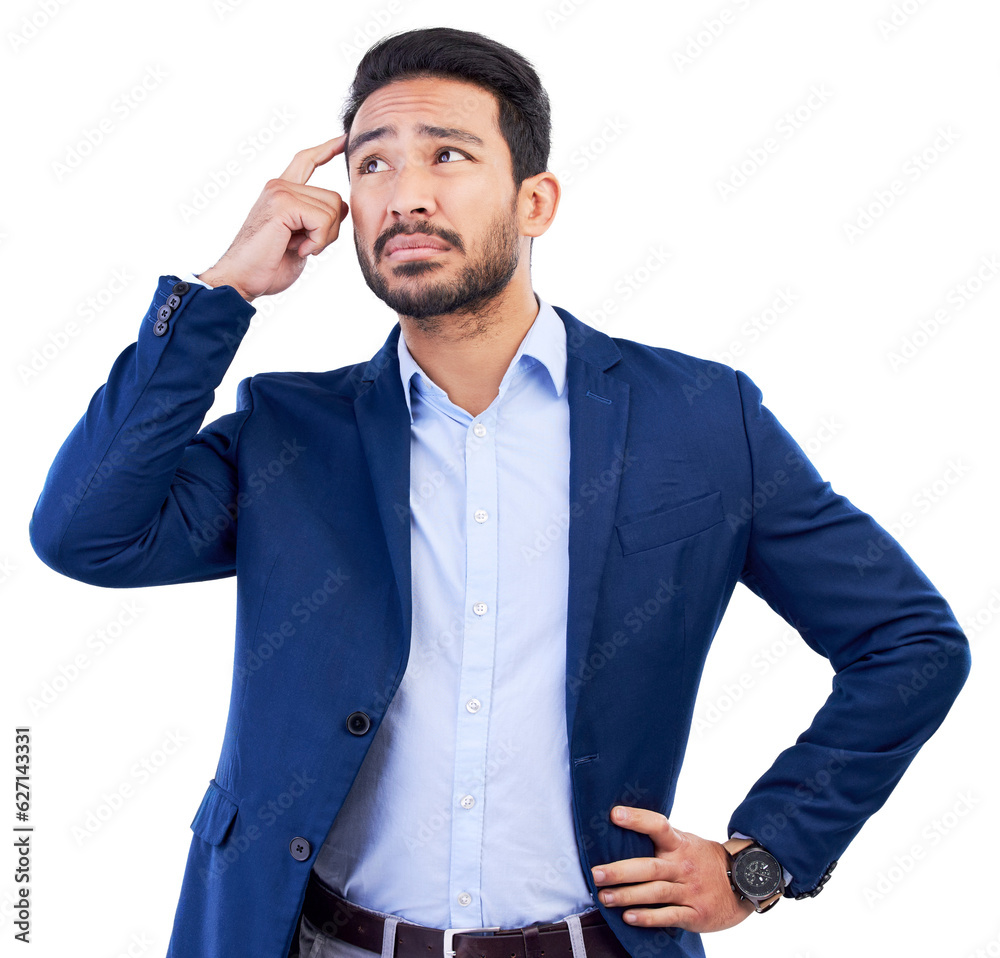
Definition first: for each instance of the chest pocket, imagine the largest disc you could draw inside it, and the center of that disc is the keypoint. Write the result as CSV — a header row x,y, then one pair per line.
x,y
669,525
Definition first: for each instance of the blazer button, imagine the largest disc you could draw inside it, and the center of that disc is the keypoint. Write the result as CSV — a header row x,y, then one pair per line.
x,y
358,723
160,327
164,313
173,301
300,849
180,288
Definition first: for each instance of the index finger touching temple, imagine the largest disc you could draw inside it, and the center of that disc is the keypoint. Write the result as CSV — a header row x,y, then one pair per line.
x,y
305,162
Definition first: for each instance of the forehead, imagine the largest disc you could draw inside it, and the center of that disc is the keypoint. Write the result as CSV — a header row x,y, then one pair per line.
x,y
438,101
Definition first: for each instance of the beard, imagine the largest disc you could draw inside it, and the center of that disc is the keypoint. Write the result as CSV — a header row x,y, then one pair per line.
x,y
470,294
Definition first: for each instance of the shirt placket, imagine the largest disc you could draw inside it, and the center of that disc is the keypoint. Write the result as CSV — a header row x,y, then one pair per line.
x,y
476,683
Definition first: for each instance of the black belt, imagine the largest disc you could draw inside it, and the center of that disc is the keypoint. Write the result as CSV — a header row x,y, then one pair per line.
x,y
334,917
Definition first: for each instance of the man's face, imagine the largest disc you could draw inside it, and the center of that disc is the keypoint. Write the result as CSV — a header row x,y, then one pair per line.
x,y
436,171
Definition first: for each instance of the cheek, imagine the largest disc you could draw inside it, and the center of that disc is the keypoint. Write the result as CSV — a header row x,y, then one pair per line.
x,y
363,231
361,204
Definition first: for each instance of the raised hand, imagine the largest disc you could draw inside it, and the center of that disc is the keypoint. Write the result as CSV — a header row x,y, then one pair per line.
x,y
289,221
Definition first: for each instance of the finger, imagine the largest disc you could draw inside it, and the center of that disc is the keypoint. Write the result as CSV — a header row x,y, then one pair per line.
x,y
644,893
282,194
324,196
305,162
640,869
670,916
326,201
320,225
650,823
631,870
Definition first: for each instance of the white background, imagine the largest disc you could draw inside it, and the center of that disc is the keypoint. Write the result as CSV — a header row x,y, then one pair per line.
x,y
641,140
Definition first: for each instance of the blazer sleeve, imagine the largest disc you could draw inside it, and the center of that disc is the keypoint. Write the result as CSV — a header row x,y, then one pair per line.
x,y
135,487
857,598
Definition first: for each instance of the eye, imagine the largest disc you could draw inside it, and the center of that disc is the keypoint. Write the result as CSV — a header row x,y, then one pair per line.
x,y
366,164
453,154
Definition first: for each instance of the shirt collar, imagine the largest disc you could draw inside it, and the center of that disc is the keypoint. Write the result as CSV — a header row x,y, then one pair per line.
x,y
545,342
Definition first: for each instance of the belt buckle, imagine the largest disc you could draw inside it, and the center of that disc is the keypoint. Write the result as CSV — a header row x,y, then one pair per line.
x,y
449,935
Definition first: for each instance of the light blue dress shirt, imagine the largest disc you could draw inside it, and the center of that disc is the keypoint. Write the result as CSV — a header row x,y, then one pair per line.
x,y
461,814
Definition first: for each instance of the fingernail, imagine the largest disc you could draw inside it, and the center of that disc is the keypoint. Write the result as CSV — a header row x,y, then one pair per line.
x,y
608,897
599,874
620,814
630,916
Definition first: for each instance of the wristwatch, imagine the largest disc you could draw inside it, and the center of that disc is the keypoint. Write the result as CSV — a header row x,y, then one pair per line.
x,y
754,873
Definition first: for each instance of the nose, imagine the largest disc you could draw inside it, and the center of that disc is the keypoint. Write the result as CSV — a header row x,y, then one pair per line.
x,y
412,192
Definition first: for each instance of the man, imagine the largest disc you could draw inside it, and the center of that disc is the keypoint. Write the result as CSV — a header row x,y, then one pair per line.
x,y
478,576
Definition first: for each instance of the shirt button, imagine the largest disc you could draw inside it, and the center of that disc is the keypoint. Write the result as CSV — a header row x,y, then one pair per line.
x,y
464,899
481,515
479,608
479,429
467,801
473,705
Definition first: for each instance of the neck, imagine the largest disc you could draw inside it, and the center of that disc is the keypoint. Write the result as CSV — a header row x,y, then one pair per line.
x,y
467,353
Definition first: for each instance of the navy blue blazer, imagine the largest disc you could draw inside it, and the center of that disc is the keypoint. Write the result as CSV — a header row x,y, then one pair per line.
x,y
681,485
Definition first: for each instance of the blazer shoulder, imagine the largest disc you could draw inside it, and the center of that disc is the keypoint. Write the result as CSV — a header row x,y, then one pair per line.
x,y
664,356
628,358
697,379
343,383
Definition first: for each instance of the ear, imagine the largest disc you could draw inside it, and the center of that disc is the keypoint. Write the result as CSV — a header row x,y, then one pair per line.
x,y
537,202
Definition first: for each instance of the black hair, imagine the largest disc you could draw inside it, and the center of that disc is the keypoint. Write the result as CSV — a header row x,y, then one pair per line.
x,y
523,105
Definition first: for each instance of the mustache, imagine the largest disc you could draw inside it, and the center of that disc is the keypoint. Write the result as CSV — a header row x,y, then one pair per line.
x,y
451,238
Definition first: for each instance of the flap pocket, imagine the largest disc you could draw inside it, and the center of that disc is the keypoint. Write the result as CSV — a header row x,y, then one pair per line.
x,y
215,814
677,522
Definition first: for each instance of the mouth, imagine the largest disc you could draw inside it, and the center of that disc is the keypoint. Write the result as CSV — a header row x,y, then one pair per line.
x,y
414,246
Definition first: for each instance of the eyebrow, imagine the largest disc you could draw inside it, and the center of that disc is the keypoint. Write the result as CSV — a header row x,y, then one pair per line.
x,y
431,132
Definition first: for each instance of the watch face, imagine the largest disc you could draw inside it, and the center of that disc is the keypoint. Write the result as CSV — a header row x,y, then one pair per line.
x,y
756,873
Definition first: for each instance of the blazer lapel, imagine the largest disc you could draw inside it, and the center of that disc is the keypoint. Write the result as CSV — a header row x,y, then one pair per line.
x,y
384,427
598,421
